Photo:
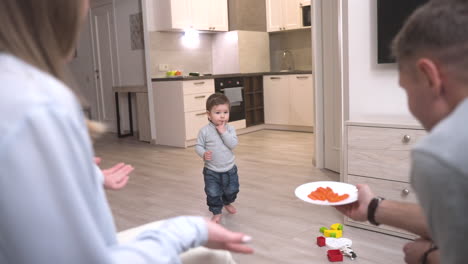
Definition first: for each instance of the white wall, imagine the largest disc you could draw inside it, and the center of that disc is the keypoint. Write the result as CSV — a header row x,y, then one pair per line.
x,y
298,42
241,51
373,88
167,48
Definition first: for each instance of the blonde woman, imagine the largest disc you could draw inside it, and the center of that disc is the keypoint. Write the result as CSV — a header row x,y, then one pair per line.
x,y
52,204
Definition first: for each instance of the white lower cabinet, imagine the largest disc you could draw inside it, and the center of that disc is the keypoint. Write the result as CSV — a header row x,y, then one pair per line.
x,y
379,155
289,99
180,110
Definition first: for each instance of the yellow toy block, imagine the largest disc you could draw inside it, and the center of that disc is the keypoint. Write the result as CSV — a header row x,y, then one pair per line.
x,y
333,233
336,226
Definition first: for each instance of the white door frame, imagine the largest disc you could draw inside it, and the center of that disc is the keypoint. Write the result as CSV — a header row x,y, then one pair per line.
x,y
147,9
318,70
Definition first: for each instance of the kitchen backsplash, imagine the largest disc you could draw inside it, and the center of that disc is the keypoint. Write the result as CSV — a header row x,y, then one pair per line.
x,y
298,42
167,48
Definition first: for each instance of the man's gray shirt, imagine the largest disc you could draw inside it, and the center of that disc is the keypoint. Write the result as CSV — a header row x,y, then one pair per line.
x,y
440,177
220,145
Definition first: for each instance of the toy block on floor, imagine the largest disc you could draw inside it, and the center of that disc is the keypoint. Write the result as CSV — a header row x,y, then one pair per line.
x,y
334,255
321,241
333,233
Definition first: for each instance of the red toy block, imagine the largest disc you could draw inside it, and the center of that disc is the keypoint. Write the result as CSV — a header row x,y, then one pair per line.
x,y
321,241
334,255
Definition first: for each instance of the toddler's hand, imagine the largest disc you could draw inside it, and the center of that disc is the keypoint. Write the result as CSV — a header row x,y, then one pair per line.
x,y
221,128
207,155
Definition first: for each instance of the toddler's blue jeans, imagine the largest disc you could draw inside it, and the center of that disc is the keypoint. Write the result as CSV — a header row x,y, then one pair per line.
x,y
221,188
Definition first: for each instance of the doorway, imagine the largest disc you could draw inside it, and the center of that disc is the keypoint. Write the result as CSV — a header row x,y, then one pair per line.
x,y
105,62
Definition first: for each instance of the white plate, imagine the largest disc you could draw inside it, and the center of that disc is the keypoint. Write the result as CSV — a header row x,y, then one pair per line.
x,y
338,187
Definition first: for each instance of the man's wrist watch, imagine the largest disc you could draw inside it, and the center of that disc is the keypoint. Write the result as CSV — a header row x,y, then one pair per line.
x,y
426,254
372,208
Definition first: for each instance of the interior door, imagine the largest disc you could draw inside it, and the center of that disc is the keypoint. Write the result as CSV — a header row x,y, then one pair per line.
x,y
105,62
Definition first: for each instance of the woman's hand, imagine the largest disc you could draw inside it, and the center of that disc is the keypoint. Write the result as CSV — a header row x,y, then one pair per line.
x,y
117,176
221,238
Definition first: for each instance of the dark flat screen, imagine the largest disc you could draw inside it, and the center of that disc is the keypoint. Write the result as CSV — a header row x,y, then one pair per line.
x,y
391,14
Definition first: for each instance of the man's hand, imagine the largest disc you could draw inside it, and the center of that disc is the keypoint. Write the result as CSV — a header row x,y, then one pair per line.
x,y
358,210
221,127
221,238
415,250
207,155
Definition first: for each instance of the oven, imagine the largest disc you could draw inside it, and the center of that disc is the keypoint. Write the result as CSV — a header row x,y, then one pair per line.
x,y
233,89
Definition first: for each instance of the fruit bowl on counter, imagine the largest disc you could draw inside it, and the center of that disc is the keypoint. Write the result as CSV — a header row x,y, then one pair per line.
x,y
173,73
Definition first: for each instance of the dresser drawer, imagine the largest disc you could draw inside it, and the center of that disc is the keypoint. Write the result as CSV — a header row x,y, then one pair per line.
x,y
195,102
198,86
194,121
397,191
381,152
390,190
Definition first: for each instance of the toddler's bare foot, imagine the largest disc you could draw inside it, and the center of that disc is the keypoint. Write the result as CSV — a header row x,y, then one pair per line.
x,y
216,218
230,208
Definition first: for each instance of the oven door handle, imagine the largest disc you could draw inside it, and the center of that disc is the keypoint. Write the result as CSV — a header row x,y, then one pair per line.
x,y
222,90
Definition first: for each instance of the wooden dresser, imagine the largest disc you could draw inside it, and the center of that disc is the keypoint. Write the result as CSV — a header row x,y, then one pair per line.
x,y
377,153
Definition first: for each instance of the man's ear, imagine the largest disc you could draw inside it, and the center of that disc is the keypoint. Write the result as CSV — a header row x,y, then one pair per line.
x,y
430,73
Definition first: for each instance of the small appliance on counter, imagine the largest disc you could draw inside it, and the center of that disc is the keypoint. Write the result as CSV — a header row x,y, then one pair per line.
x,y
287,61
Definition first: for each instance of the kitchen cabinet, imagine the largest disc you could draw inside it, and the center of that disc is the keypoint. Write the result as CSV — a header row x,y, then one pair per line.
x,y
289,99
283,15
178,15
378,154
180,110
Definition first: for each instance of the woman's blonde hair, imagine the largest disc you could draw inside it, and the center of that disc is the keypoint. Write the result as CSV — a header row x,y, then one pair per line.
x,y
42,33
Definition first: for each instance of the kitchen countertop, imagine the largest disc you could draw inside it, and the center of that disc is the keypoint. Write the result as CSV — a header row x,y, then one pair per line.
x,y
184,78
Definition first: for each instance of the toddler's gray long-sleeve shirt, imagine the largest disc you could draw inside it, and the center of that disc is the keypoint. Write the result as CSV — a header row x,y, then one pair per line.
x,y
221,146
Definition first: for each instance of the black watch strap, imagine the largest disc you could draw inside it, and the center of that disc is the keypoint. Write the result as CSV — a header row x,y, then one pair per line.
x,y
426,254
374,203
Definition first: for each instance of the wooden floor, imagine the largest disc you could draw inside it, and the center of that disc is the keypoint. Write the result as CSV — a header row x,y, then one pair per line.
x,y
168,182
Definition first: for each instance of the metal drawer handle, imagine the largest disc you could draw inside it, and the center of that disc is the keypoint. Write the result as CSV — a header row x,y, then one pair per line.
x,y
406,138
198,83
275,78
405,191
200,114
200,97
302,77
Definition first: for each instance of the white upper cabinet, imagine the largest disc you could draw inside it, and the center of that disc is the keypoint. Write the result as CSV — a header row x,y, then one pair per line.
x,y
201,14
177,15
219,15
283,15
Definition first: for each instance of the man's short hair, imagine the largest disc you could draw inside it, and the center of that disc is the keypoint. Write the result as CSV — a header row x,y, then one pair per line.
x,y
216,99
438,29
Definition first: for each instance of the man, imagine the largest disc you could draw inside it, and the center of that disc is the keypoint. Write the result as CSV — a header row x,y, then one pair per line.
x,y
432,54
